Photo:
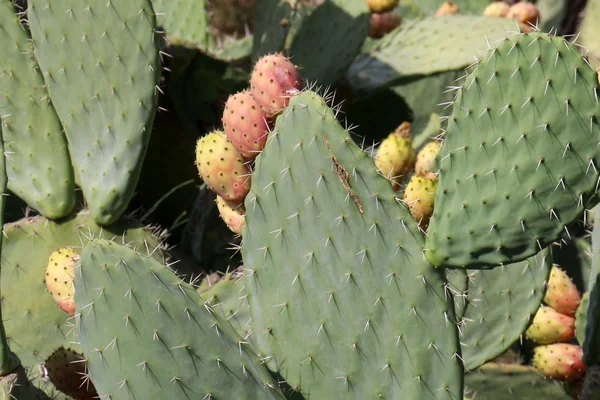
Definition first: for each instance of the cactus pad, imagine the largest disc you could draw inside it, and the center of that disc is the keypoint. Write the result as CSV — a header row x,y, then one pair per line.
x,y
355,310
176,346
35,325
519,161
101,63
38,165
501,303
427,46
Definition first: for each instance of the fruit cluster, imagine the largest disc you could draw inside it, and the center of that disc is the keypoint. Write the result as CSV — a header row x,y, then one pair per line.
x,y
224,157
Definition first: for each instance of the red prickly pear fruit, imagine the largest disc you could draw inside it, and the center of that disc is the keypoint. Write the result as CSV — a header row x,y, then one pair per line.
x,y
562,294
559,361
233,215
274,79
425,158
496,9
381,24
419,196
222,167
550,326
526,14
60,273
447,8
380,6
67,370
395,155
245,124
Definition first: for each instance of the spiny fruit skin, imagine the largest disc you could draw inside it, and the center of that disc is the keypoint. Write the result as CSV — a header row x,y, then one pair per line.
x,y
526,14
380,24
496,9
274,79
66,369
233,215
395,155
245,124
60,274
559,361
222,167
562,294
550,326
419,196
448,8
380,6
425,159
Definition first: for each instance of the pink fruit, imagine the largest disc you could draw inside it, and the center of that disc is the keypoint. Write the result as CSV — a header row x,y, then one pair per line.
x,y
380,24
245,124
233,215
550,326
559,361
273,81
67,369
222,167
562,294
60,273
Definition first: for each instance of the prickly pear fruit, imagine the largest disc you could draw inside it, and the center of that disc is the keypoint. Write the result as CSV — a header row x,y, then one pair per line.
x,y
419,196
395,155
67,370
562,294
559,361
380,6
425,158
526,14
496,9
222,167
447,8
60,274
380,24
550,326
233,215
245,124
273,81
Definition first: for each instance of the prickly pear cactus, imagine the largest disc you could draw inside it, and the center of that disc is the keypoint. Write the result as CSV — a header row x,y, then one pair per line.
x,y
38,165
519,161
501,304
35,325
346,305
150,335
101,63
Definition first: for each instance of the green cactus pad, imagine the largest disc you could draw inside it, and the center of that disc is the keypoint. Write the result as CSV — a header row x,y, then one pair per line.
x,y
101,63
589,30
512,381
16,386
581,318
269,32
35,325
423,47
501,304
343,302
148,335
458,285
37,160
316,45
519,161
591,336
229,300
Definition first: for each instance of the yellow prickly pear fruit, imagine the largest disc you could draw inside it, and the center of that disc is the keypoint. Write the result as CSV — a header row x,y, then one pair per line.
x,y
381,6
425,159
60,274
448,8
496,9
419,196
396,155
233,215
